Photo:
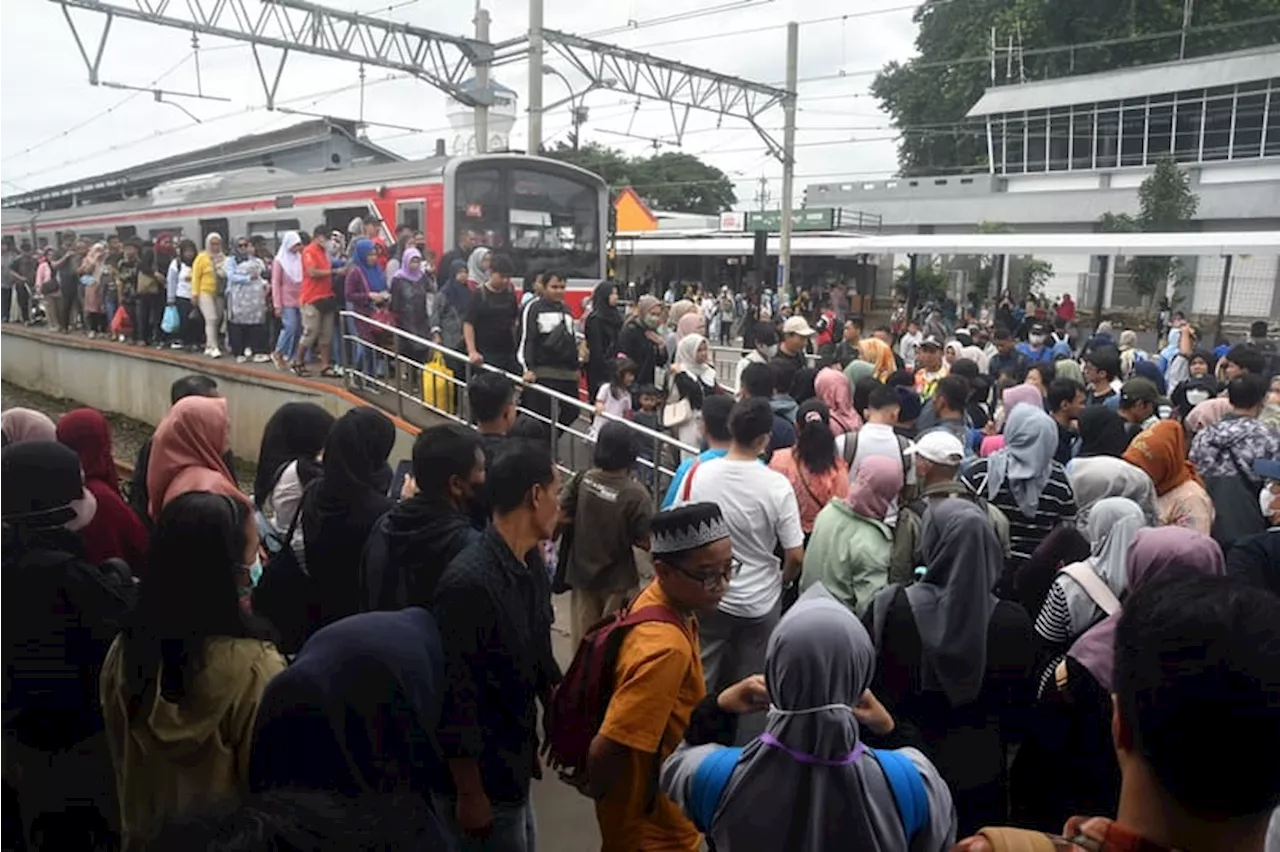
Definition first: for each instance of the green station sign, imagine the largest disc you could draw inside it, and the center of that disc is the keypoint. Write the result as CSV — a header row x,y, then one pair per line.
x,y
806,219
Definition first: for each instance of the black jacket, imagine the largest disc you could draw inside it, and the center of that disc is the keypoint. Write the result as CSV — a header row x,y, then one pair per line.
x,y
648,357
602,330
408,550
494,614
55,641
547,338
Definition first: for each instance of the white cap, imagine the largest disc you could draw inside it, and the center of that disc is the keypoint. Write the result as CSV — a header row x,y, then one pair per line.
x,y
939,447
798,325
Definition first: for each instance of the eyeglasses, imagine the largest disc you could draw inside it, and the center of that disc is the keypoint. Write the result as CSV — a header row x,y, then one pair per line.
x,y
710,582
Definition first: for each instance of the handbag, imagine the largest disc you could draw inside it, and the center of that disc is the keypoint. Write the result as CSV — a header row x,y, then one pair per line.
x,y
437,384
676,411
170,322
383,315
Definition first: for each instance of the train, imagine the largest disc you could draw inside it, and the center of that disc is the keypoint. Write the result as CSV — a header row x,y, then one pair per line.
x,y
546,215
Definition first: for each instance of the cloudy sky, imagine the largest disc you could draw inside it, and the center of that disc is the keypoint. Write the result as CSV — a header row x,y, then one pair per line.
x,y
57,127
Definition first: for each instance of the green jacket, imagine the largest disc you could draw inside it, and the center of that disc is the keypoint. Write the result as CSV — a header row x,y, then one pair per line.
x,y
849,554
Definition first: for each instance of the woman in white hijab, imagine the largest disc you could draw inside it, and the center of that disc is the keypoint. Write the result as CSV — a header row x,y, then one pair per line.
x,y
692,378
809,782
1085,592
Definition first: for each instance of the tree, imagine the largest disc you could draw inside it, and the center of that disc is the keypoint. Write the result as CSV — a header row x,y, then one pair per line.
x,y
928,96
1165,203
668,181
931,281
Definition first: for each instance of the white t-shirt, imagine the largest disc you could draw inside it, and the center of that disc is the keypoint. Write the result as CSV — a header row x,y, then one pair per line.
x,y
760,510
617,406
879,439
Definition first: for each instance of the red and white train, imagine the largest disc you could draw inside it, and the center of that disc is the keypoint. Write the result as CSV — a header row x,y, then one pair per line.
x,y
546,215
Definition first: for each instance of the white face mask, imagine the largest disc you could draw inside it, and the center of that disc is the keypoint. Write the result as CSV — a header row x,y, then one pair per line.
x,y
771,351
1265,501
1036,339
1195,397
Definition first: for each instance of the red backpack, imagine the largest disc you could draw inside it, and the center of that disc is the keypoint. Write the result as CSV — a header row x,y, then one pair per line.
x,y
581,700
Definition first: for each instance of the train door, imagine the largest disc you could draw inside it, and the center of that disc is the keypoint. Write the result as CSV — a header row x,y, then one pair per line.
x,y
215,226
339,218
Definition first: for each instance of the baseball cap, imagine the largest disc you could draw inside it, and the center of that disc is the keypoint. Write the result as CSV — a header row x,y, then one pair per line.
x,y
1267,468
931,341
1138,390
798,325
939,447
44,488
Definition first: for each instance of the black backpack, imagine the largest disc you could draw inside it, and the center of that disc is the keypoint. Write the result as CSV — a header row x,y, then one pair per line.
x,y
1235,502
286,594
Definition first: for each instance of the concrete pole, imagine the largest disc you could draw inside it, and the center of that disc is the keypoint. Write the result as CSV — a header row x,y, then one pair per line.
x,y
535,77
788,160
482,83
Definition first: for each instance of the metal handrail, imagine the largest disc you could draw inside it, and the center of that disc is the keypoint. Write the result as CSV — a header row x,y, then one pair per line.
x,y
664,447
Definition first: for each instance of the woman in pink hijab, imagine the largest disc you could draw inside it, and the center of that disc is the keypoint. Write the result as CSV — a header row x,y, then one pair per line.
x,y
20,425
187,453
832,386
849,549
692,323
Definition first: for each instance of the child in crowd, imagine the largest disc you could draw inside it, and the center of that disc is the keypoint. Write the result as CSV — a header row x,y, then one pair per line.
x,y
615,397
649,398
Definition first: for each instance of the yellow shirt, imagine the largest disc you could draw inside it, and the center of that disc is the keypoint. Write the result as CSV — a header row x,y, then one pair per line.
x,y
204,278
172,758
658,681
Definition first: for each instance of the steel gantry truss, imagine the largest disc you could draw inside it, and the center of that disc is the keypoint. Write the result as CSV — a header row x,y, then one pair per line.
x,y
444,61
683,87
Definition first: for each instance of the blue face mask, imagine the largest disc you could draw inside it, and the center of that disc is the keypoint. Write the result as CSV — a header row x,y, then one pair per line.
x,y
255,571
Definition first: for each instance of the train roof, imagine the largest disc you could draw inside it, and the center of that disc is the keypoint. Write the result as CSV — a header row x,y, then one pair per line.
x,y
262,183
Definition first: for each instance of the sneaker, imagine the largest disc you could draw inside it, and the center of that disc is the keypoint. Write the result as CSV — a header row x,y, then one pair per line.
x,y
215,353
279,361
175,345
240,359
247,353
260,358
92,335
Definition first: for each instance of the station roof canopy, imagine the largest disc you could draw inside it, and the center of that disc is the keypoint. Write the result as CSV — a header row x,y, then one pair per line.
x,y
849,245
134,180
1219,69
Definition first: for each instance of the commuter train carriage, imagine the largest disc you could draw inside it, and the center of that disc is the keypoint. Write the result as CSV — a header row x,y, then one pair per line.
x,y
546,215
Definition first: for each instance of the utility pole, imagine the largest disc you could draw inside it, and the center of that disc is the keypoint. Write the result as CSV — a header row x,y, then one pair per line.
x,y
762,194
788,159
535,77
482,83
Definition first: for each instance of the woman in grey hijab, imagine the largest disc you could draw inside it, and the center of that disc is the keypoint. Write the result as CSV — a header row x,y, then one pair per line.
x,y
809,782
953,661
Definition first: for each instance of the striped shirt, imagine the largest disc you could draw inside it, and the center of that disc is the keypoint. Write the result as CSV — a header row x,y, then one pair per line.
x,y
1057,504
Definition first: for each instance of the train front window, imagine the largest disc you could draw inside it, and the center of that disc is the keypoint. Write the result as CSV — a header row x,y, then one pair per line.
x,y
546,221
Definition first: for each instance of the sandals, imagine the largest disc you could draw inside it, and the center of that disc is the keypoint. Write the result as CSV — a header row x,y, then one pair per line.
x,y
299,369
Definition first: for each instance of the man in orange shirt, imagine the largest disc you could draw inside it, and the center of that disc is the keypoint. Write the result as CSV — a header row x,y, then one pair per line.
x,y
658,682
315,297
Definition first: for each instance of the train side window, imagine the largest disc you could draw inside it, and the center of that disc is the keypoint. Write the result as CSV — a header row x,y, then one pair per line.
x,y
126,232
411,214
273,230
175,233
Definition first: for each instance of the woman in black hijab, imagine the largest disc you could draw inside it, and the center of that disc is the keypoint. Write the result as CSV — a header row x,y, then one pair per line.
x,y
295,433
1102,432
340,508
355,714
602,328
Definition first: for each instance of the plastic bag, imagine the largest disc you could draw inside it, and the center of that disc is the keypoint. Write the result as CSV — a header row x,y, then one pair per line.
x,y
437,387
121,323
170,322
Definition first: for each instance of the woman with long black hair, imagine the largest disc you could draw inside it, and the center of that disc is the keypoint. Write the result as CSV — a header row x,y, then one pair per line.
x,y
181,684
812,466
340,508
602,328
288,460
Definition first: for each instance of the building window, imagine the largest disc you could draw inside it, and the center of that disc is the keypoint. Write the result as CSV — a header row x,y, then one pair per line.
x,y
1037,138
1082,137
1271,138
1014,145
1246,140
1186,124
1133,132
1059,139
1159,131
1218,119
1107,149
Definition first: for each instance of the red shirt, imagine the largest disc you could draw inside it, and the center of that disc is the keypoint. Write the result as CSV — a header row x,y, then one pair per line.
x,y
314,257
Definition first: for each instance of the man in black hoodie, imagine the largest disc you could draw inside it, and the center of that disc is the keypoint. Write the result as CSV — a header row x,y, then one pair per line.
x,y
548,350
410,545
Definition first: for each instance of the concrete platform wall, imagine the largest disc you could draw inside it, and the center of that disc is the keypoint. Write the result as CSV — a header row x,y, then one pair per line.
x,y
135,382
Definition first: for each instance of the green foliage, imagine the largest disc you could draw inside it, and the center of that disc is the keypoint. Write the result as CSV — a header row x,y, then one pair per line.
x,y
668,181
931,281
1166,203
1033,275
928,95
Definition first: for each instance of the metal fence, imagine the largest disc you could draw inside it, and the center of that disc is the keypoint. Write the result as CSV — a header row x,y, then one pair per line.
x,y
403,376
